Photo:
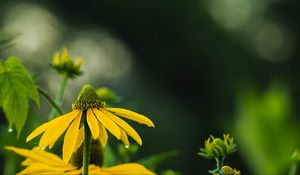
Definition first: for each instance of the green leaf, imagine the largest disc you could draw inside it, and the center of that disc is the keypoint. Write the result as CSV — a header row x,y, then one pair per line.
x,y
17,87
153,161
6,40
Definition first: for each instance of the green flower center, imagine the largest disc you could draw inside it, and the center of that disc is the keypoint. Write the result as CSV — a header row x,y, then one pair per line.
x,y
87,98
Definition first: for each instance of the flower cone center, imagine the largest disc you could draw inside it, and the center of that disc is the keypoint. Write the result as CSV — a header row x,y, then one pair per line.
x,y
87,98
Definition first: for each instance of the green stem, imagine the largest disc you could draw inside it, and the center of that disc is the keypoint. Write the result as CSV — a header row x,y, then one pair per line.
x,y
293,169
86,146
59,95
218,163
222,162
10,164
50,100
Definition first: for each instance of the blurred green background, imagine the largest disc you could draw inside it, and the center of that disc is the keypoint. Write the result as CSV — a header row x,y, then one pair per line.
x,y
195,67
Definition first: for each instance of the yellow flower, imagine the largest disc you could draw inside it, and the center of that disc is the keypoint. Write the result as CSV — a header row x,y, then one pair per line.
x,y
89,107
64,64
41,162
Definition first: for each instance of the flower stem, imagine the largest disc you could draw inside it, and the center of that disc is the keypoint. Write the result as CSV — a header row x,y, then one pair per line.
x,y
222,162
86,146
218,163
59,95
50,100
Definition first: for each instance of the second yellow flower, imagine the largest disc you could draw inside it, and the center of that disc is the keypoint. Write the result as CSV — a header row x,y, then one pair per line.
x,y
99,118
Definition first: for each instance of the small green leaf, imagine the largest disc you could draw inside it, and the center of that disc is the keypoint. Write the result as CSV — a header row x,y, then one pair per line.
x,y
17,87
6,39
153,161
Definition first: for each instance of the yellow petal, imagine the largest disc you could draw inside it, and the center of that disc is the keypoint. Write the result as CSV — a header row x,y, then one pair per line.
x,y
70,139
103,134
53,142
108,123
55,59
31,155
124,137
41,168
64,53
93,123
129,130
80,138
129,168
57,137
93,169
39,130
74,172
26,162
78,62
132,116
47,155
56,128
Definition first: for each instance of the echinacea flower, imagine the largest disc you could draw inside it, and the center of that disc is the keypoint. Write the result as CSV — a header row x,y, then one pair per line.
x,y
89,107
41,162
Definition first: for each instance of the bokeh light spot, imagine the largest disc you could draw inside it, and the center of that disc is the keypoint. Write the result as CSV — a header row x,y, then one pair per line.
x,y
273,42
36,30
231,14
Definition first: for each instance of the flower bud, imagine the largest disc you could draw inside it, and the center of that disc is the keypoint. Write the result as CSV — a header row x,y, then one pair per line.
x,y
64,64
218,148
106,95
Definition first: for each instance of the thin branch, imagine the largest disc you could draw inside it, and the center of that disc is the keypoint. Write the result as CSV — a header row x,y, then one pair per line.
x,y
50,100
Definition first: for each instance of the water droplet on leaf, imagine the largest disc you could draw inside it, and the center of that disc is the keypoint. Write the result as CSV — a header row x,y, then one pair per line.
x,y
127,146
10,130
